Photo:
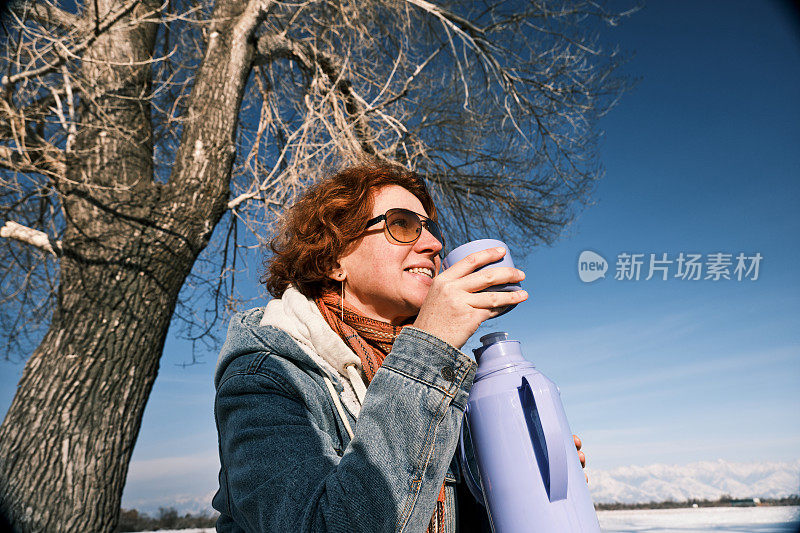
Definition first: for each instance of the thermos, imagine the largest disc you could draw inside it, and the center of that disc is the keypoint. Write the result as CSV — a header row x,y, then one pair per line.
x,y
529,476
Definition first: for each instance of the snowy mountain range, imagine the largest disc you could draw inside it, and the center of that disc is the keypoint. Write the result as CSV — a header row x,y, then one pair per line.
x,y
701,480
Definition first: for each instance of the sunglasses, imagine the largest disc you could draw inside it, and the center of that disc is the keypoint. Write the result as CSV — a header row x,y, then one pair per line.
x,y
405,226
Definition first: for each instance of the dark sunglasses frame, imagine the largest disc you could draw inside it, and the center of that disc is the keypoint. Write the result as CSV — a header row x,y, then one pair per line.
x,y
424,222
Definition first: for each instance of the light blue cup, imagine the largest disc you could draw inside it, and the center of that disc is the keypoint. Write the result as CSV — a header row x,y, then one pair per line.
x,y
483,244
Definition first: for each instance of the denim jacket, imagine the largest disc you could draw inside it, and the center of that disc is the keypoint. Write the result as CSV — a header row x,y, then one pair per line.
x,y
288,463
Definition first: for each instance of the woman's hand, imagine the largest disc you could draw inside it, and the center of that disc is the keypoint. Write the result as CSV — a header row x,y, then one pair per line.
x,y
581,455
454,306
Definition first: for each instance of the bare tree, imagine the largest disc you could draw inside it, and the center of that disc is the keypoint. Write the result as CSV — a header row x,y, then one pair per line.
x,y
131,129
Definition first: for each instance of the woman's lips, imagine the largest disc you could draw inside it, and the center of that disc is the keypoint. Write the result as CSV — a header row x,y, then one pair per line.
x,y
427,280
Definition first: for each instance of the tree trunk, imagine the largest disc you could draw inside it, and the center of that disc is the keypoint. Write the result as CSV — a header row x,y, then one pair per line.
x,y
69,434
129,244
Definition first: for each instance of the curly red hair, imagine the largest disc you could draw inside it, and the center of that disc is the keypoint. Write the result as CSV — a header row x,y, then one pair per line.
x,y
316,231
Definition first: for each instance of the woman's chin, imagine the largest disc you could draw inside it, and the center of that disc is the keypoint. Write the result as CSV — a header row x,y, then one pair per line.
x,y
415,300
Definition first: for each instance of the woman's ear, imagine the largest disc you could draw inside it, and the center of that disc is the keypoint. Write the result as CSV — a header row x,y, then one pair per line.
x,y
338,274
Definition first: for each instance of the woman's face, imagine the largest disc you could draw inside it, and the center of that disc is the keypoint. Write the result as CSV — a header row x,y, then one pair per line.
x,y
378,281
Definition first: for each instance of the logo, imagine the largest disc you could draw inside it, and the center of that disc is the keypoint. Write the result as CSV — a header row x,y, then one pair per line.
x,y
685,266
591,266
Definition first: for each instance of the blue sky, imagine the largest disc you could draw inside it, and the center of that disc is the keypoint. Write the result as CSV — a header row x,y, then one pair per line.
x,y
702,156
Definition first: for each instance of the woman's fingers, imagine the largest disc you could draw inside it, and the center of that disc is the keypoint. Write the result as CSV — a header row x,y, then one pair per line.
x,y
581,455
496,299
489,277
454,308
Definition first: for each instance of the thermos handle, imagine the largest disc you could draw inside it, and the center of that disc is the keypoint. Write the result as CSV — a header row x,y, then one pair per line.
x,y
474,486
553,438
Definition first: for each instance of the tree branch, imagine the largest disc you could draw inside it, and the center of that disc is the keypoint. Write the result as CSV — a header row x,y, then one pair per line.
x,y
33,153
31,236
51,161
64,53
48,16
314,60
201,165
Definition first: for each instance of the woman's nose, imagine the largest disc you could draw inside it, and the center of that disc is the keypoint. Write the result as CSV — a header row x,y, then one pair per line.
x,y
427,243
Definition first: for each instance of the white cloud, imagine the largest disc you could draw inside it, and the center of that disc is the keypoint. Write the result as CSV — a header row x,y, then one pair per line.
x,y
168,468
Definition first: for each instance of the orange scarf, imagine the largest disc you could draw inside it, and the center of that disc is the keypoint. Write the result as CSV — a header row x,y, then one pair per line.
x,y
372,341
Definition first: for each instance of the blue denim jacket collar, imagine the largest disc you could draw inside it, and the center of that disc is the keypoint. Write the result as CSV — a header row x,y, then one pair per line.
x,y
246,335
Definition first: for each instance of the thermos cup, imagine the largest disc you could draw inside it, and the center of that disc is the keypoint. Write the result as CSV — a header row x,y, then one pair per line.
x,y
476,246
529,475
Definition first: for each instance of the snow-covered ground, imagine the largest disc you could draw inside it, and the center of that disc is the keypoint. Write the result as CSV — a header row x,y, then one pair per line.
x,y
703,520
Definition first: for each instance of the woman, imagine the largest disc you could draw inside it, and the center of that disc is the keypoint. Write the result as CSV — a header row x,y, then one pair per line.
x,y
358,300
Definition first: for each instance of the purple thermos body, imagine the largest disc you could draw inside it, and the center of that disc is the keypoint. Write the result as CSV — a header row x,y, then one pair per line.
x,y
529,475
